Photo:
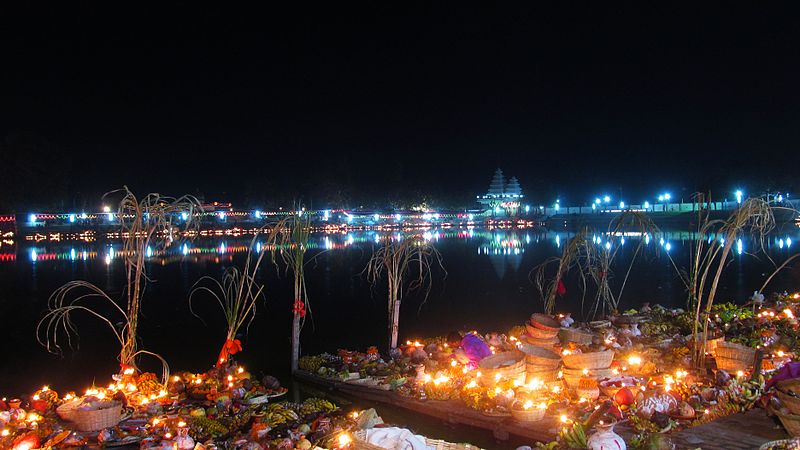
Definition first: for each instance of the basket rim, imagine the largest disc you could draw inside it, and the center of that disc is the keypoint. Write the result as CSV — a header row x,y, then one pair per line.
x,y
545,322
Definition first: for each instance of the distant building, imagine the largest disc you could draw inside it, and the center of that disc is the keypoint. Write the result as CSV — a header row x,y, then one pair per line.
x,y
503,198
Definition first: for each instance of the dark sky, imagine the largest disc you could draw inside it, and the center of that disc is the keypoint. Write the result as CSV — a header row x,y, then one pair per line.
x,y
385,97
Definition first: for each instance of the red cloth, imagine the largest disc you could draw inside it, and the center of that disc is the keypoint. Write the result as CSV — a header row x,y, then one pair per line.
x,y
561,290
231,347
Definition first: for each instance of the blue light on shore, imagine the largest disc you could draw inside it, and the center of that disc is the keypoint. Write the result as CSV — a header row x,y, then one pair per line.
x,y
72,218
739,195
646,205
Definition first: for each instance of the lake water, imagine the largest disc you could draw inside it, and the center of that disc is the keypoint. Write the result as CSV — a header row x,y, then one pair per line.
x,y
487,287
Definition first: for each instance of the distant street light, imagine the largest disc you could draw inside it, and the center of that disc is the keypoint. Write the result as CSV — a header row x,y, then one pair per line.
x,y
738,196
606,199
646,204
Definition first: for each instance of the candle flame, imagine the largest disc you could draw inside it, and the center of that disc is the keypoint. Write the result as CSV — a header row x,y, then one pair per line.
x,y
528,405
634,360
564,418
344,440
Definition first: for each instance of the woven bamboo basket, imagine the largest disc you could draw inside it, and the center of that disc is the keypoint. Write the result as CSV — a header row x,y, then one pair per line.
x,y
548,344
573,376
539,333
538,356
591,361
730,356
788,391
576,335
791,422
545,322
360,443
509,365
791,402
785,443
528,415
92,420
537,372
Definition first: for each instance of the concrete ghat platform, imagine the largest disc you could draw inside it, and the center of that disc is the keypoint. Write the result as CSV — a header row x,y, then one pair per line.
x,y
743,431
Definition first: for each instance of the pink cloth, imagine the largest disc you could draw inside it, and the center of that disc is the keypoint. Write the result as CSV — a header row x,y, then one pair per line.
x,y
787,372
475,349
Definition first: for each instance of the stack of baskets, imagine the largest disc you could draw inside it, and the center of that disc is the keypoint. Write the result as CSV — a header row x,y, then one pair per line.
x,y
576,335
542,331
734,357
508,365
540,363
108,415
597,363
788,392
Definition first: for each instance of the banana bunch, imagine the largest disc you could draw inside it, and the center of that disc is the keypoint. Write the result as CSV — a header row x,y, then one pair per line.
x,y
292,406
278,414
574,436
147,384
240,420
202,427
310,363
314,405
746,393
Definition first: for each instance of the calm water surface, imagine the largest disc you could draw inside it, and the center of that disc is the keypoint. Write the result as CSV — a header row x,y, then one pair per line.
x,y
487,287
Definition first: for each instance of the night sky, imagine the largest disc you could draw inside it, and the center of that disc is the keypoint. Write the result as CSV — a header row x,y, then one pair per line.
x,y
364,104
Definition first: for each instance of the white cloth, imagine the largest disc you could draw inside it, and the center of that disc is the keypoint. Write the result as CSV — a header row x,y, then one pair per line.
x,y
394,438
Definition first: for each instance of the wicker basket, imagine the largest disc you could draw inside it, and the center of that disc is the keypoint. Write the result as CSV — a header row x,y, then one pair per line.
x,y
784,442
509,365
360,443
791,422
539,333
92,420
576,335
545,322
537,372
591,361
538,356
573,376
528,415
730,356
548,344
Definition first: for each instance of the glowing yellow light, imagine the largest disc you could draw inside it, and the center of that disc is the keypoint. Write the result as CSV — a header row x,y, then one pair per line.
x,y
586,371
739,374
156,421
780,353
168,436
464,369
355,414
131,387
582,400
528,405
45,388
230,377
566,352
497,390
542,405
556,389
453,363
634,360
560,374
68,397
4,433
706,411
145,401
564,418
497,377
241,370
176,378
788,313
36,397
472,384
181,424
101,395
615,371
478,375
344,440
230,385
408,342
